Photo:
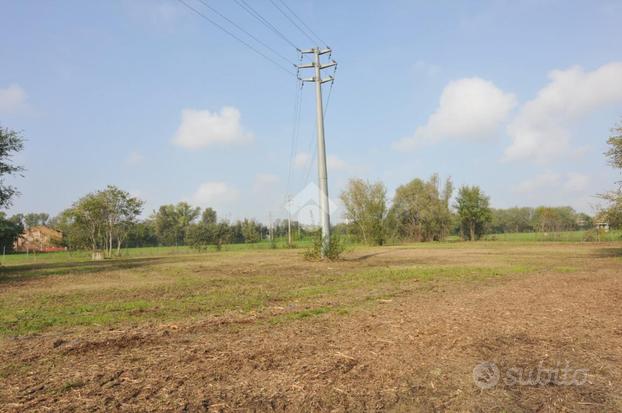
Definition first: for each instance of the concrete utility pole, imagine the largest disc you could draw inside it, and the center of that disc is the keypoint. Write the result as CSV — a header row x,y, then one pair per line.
x,y
289,221
321,146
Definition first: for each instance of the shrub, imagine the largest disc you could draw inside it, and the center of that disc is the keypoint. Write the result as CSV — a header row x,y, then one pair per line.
x,y
590,236
334,252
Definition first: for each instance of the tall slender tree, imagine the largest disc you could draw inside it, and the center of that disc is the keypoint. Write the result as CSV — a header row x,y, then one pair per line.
x,y
420,211
209,216
614,153
366,209
613,212
122,211
473,208
11,142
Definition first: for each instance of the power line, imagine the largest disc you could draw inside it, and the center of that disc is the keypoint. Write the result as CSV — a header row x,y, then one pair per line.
x,y
244,5
311,161
283,68
292,21
300,20
295,133
296,129
237,26
287,16
330,91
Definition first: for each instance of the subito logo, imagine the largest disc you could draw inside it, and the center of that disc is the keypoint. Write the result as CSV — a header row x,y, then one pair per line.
x,y
486,375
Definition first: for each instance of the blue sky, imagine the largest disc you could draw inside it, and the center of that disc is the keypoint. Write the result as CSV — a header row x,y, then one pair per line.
x,y
515,96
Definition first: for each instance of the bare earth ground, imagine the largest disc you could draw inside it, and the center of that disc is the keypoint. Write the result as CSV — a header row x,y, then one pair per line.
x,y
408,344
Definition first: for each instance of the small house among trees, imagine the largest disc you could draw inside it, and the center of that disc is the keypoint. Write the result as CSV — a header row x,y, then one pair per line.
x,y
39,238
602,226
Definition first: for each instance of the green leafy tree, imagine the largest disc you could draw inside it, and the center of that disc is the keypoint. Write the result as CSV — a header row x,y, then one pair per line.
x,y
209,216
186,215
547,219
87,219
201,235
100,220
612,213
614,153
34,219
519,219
10,230
75,233
251,230
366,210
198,236
173,221
122,211
142,234
237,235
11,142
474,211
166,225
420,211
221,234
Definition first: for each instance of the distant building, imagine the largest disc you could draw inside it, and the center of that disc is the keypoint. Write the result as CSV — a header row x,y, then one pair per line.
x,y
603,226
39,238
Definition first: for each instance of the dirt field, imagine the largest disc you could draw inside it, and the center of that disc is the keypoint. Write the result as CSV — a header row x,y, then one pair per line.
x,y
388,329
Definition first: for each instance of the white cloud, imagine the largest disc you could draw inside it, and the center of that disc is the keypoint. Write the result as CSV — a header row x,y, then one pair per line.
x,y
469,109
264,181
551,181
302,160
214,193
202,128
134,158
12,99
540,131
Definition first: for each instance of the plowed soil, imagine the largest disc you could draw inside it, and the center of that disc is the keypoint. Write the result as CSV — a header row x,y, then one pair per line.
x,y
406,345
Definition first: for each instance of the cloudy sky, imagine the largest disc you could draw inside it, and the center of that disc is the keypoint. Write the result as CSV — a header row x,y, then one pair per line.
x,y
515,96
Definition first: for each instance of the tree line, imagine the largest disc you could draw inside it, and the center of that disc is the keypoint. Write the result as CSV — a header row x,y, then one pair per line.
x,y
109,218
421,210
540,219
